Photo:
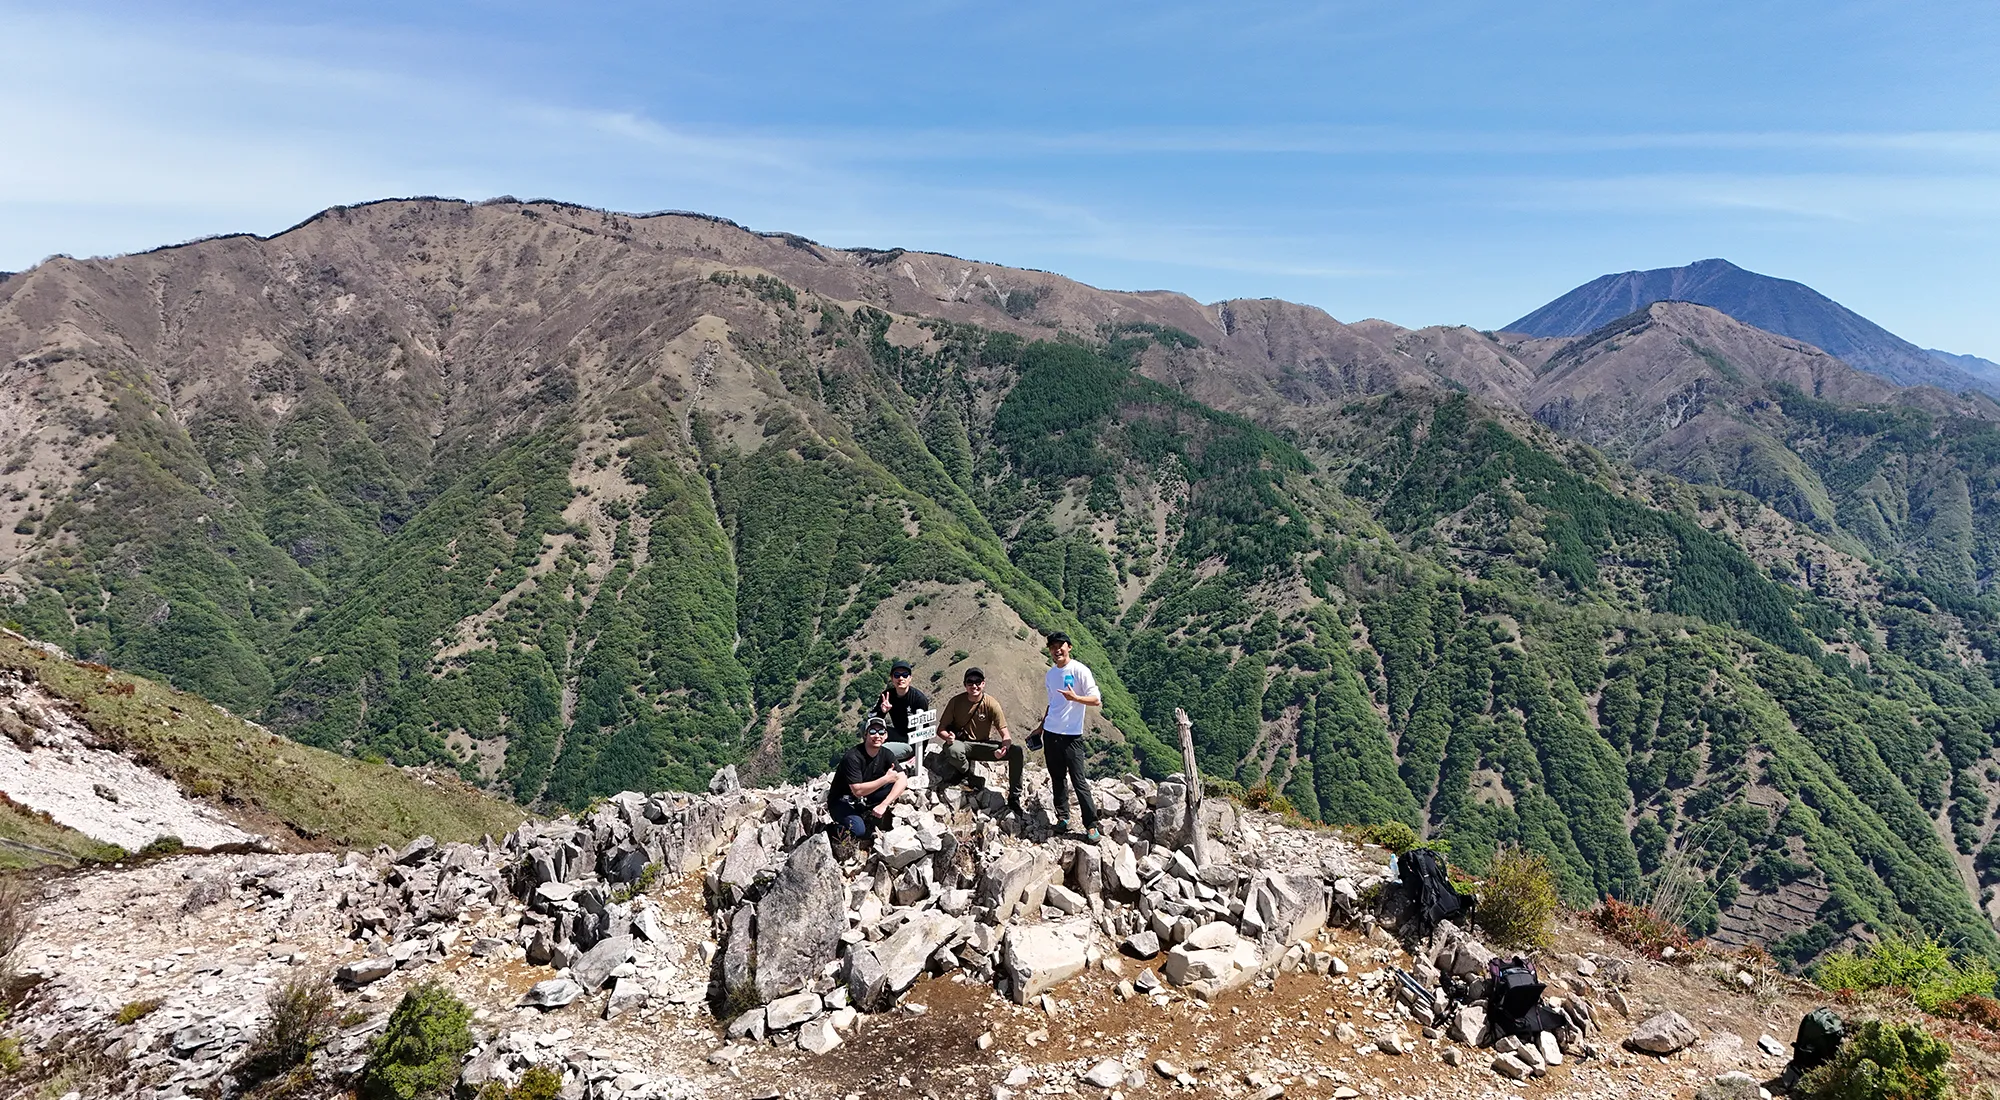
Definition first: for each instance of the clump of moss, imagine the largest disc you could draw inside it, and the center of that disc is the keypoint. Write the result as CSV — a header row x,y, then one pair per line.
x,y
136,1010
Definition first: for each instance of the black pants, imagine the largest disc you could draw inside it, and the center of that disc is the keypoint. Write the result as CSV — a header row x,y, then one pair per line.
x,y
1064,753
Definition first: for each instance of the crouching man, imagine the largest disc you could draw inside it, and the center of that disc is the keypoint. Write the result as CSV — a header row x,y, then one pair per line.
x,y
973,728
866,784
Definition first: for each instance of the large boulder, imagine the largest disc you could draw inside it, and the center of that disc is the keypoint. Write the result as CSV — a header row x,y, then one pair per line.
x,y
554,993
789,1012
909,949
1207,972
1290,907
595,967
800,919
1036,957
739,962
747,859
867,982
1003,882
1468,1025
1662,1033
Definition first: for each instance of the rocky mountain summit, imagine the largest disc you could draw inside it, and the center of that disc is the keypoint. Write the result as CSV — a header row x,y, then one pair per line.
x,y
680,945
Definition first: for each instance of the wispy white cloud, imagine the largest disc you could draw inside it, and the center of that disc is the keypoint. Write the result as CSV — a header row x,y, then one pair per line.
x,y
1852,198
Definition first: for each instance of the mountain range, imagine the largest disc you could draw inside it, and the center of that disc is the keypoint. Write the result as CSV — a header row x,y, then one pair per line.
x,y
576,502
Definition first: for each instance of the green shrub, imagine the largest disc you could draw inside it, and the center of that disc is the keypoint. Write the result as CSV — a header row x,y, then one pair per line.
x,y
1883,1061
1264,796
165,845
1397,836
418,1054
10,1055
649,876
538,1083
1518,904
302,1017
1923,966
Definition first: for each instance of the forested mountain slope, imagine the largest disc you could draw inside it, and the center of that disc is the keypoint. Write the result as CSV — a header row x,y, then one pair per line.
x,y
578,502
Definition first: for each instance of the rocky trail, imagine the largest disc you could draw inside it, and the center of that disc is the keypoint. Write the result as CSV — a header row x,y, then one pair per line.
x,y
715,945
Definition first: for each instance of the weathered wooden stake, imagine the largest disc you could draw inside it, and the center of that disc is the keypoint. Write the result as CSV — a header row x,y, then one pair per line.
x,y
1197,835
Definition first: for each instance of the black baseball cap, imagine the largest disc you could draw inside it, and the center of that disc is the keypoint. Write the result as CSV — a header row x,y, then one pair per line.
x,y
875,724
1059,636
974,676
899,666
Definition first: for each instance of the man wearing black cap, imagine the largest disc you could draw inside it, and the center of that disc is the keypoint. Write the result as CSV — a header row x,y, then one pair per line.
x,y
898,702
1072,691
865,784
974,728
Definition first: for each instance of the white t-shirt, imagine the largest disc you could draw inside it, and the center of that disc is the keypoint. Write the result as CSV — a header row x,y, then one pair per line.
x,y
1065,716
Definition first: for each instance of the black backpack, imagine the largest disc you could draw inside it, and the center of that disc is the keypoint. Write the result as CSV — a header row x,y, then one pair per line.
x,y
1821,1032
1514,998
1436,898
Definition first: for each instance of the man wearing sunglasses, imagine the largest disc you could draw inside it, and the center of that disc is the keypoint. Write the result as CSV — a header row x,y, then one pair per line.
x,y
900,700
866,785
974,728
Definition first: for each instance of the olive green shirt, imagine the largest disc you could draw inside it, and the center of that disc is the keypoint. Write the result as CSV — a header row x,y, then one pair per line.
x,y
974,723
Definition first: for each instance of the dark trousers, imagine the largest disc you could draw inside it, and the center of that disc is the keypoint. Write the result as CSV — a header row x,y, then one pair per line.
x,y
851,813
1064,753
953,763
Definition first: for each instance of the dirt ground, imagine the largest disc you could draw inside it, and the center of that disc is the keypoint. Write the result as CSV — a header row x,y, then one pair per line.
x,y
1285,1034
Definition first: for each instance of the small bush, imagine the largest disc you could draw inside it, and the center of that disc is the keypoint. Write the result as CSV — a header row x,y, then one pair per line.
x,y
1639,928
1398,837
162,846
418,1053
302,1018
135,1011
1517,906
1922,966
10,1055
1263,796
649,876
1883,1061
538,1083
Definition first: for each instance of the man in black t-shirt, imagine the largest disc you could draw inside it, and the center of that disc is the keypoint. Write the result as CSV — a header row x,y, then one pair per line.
x,y
900,700
866,784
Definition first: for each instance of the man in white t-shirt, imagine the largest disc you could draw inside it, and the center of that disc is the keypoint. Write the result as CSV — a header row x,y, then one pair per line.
x,y
1072,690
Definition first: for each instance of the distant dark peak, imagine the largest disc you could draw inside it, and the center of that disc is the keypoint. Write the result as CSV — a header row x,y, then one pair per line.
x,y
1781,306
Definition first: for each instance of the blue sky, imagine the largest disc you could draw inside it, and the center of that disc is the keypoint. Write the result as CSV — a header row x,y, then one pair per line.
x,y
1428,163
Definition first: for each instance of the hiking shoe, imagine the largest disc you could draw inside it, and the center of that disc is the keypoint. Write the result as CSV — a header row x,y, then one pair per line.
x,y
1062,827
1014,807
976,783
1092,835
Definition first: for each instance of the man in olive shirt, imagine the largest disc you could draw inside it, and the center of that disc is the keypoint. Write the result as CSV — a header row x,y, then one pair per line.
x,y
967,729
